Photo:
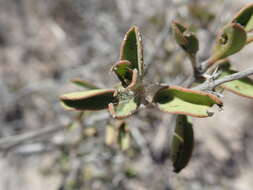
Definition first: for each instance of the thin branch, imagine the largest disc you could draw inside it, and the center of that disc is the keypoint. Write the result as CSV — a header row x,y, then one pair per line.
x,y
19,139
9,143
210,85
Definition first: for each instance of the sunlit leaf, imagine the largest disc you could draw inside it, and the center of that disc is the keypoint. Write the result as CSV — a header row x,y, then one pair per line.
x,y
178,100
242,87
132,50
245,17
231,40
88,100
182,143
124,108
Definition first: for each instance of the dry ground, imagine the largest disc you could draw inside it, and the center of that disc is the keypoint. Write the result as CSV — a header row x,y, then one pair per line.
x,y
44,44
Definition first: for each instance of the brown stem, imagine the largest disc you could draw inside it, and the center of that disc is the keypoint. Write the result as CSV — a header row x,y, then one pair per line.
x,y
211,85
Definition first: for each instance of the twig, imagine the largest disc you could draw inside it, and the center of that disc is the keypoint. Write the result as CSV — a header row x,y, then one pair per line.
x,y
7,142
210,85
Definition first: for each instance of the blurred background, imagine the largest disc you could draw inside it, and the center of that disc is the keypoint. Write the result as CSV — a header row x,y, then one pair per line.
x,y
45,44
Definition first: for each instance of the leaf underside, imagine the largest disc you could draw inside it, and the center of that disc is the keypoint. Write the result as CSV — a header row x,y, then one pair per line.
x,y
126,108
182,143
187,40
242,87
178,100
88,100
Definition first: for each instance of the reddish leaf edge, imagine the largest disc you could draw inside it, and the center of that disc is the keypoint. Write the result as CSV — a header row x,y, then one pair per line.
x,y
133,28
236,92
176,28
63,97
208,114
213,97
112,112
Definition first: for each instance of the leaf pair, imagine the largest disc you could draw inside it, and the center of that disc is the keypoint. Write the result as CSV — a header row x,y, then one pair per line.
x,y
171,99
121,102
125,101
131,57
130,71
233,37
186,39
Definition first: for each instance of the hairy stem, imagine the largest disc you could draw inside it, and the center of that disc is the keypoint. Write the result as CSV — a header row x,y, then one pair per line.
x,y
210,85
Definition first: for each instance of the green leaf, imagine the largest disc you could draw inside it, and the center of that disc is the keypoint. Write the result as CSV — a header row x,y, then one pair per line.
x,y
245,17
132,50
125,107
88,100
123,137
231,40
178,30
182,143
178,100
242,87
193,44
124,72
187,40
84,84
